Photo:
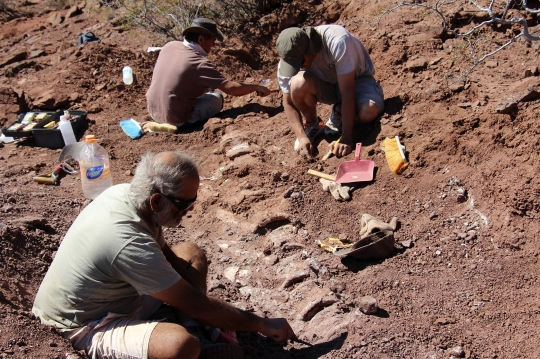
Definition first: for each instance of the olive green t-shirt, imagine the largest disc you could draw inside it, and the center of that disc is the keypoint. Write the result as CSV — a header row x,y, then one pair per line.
x,y
108,259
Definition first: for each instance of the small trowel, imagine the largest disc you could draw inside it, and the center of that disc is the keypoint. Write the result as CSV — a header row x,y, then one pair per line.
x,y
73,151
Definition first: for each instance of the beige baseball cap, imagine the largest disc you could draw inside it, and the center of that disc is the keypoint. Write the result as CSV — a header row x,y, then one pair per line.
x,y
292,44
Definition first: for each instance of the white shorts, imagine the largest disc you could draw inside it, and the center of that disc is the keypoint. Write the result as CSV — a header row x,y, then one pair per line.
x,y
122,336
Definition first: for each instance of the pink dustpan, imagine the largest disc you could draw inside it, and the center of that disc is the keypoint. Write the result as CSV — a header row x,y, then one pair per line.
x,y
357,170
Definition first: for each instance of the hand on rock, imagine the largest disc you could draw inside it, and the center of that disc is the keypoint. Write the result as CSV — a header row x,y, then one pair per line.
x,y
370,224
339,192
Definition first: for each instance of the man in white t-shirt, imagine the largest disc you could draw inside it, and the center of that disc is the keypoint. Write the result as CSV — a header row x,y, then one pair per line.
x,y
337,70
113,272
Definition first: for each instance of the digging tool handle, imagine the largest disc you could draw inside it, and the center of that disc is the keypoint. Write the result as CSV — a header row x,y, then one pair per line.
x,y
49,178
321,175
46,179
329,153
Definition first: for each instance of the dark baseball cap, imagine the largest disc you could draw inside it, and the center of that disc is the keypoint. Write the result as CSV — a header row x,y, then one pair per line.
x,y
206,26
292,44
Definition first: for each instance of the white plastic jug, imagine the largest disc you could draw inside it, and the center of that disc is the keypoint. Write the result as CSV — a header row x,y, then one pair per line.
x,y
127,75
95,169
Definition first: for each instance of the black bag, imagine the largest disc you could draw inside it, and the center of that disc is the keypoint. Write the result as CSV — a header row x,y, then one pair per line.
x,y
379,245
87,37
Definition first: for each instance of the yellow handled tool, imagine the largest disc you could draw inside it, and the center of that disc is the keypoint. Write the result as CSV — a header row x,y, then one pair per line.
x,y
330,152
321,175
49,178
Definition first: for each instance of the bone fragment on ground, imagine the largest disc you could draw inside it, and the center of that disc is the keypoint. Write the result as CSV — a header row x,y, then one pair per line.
x,y
282,235
316,306
273,217
295,278
230,273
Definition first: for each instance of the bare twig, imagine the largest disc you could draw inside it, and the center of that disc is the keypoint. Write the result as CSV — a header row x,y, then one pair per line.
x,y
234,13
494,19
171,18
162,17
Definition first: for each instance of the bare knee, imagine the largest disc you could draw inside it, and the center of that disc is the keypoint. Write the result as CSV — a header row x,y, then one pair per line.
x,y
297,81
185,347
191,253
301,85
171,341
368,112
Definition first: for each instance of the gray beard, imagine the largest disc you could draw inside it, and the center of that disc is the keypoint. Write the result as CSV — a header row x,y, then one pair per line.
x,y
166,217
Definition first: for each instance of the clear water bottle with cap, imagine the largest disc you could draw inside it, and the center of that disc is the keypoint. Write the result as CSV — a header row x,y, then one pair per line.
x,y
95,169
127,75
66,129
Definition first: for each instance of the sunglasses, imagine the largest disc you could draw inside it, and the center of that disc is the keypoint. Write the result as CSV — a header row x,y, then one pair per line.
x,y
181,204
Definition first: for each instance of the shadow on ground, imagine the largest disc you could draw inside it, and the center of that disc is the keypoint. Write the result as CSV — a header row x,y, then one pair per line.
x,y
267,348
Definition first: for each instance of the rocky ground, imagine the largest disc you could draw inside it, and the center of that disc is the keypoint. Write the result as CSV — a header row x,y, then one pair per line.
x,y
463,278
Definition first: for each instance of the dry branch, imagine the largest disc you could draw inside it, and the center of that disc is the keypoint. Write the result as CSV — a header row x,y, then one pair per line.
x,y
498,15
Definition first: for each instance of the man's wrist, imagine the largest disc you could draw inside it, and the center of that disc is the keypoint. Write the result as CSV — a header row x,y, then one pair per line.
x,y
262,325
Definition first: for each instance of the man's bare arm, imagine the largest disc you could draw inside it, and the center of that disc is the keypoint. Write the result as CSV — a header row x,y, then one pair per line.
x,y
295,120
217,313
194,270
239,89
293,116
348,114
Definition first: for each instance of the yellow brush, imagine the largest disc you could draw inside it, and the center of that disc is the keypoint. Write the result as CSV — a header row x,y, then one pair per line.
x,y
395,154
329,153
160,127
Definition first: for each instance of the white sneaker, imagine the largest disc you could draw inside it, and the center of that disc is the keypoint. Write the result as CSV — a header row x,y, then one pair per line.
x,y
312,131
333,125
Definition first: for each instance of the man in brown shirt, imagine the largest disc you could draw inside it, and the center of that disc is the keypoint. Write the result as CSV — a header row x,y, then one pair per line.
x,y
184,80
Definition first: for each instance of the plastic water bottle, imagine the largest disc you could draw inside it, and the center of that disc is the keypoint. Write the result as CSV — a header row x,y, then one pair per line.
x,y
95,170
66,129
127,75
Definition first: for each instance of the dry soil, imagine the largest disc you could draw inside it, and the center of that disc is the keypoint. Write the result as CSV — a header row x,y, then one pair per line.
x,y
463,279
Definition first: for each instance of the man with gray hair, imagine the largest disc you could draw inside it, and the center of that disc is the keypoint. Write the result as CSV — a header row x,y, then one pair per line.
x,y
336,70
114,272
